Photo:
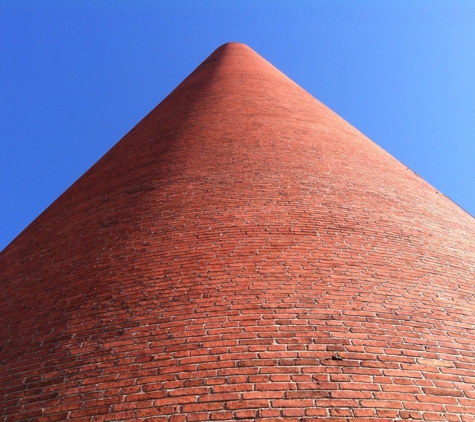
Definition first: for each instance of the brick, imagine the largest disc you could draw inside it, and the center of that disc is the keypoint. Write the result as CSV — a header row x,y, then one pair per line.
x,y
382,404
293,412
243,414
292,403
404,414
221,397
428,416
443,392
248,404
202,407
263,395
351,394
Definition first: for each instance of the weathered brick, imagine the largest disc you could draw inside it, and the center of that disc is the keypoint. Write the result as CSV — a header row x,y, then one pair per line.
x,y
242,253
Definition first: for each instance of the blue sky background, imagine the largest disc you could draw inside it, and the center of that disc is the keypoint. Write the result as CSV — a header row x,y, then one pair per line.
x,y
76,76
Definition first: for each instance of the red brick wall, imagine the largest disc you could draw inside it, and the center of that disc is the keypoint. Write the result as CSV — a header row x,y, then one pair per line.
x,y
242,253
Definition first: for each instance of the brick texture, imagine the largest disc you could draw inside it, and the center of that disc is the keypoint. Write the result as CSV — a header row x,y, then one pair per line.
x,y
243,253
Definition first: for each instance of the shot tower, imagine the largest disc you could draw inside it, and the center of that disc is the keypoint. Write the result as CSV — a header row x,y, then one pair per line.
x,y
242,253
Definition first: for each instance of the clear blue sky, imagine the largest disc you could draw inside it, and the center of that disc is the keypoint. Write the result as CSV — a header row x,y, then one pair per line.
x,y
76,76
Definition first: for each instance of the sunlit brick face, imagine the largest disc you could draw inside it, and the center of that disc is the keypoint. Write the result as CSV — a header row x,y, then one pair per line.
x,y
242,253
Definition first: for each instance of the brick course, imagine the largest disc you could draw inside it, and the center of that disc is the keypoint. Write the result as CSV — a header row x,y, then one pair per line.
x,y
242,253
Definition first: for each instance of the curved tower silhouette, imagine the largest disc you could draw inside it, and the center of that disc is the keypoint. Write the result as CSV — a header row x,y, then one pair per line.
x,y
242,253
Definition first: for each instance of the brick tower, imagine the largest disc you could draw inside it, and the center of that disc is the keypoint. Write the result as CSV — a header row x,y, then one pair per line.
x,y
242,253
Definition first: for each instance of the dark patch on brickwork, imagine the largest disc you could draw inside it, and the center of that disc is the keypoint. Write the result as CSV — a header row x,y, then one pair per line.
x,y
208,61
242,253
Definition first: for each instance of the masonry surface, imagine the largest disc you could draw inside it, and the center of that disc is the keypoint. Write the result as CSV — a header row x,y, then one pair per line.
x,y
242,253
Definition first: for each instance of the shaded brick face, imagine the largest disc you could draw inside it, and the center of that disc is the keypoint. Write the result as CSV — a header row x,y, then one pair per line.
x,y
242,253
